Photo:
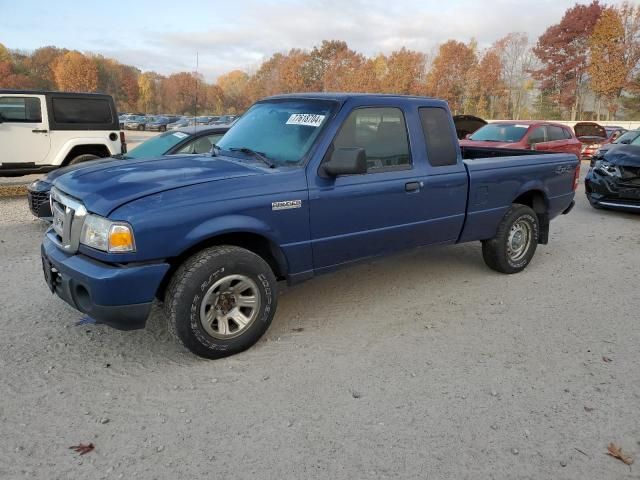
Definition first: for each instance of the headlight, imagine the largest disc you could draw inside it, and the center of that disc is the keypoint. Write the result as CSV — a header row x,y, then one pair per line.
x,y
103,234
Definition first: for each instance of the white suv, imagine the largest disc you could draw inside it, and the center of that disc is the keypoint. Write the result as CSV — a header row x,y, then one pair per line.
x,y
40,131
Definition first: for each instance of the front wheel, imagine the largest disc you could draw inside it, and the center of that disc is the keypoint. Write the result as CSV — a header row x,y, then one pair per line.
x,y
140,127
515,243
221,301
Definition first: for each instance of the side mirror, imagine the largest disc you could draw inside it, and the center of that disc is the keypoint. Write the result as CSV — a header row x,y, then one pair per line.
x,y
346,161
467,136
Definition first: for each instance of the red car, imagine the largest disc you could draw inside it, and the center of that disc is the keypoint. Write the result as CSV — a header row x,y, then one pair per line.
x,y
593,135
525,135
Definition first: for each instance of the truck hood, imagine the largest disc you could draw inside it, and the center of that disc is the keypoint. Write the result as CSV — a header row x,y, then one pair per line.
x,y
623,156
106,186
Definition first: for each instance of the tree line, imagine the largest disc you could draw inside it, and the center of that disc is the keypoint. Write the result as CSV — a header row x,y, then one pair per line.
x,y
586,66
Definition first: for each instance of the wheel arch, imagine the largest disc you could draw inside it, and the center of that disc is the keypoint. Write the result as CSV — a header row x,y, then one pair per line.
x,y
98,149
256,242
538,201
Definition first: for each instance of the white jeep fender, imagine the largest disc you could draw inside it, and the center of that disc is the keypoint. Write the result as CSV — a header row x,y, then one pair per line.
x,y
112,146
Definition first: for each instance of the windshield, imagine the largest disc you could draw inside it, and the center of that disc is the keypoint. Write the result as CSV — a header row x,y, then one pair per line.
x,y
500,132
157,146
283,131
628,137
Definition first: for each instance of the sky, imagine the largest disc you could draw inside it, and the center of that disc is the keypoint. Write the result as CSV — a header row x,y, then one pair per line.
x,y
164,36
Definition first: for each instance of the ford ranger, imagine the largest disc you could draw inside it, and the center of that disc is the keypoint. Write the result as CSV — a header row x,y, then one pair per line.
x,y
301,185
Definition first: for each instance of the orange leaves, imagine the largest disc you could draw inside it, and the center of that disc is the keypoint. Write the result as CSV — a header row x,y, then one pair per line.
x,y
616,452
76,73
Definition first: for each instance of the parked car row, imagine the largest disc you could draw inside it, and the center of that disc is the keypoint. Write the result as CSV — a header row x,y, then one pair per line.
x,y
186,141
162,123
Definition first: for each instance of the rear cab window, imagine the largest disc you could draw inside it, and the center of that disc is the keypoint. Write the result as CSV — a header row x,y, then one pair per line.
x,y
439,138
82,110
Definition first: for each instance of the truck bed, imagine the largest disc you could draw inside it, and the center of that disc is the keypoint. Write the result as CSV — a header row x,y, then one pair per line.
x,y
497,176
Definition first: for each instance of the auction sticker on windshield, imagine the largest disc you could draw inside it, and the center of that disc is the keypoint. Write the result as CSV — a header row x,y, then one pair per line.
x,y
180,135
307,119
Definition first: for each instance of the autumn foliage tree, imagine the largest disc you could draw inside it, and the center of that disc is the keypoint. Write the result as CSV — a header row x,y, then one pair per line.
x,y
449,73
563,50
607,68
75,72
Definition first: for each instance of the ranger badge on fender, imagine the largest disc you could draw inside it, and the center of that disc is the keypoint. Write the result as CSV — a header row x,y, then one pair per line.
x,y
286,205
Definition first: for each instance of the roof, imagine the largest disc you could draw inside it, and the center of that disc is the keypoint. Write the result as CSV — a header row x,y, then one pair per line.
x,y
344,96
54,92
528,123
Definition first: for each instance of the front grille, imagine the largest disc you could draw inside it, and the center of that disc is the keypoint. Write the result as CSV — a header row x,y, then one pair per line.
x,y
68,218
36,200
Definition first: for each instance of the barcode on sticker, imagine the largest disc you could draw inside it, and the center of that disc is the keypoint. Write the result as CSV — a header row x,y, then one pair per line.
x,y
307,119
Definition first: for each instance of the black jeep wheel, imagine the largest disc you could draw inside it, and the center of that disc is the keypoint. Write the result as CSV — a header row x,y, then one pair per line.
x,y
221,301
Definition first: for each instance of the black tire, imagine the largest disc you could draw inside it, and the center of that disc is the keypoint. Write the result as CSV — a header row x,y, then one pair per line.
x,y
496,251
83,158
163,128
192,281
140,127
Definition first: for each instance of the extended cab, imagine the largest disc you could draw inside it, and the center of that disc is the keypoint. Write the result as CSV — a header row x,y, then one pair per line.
x,y
40,131
300,185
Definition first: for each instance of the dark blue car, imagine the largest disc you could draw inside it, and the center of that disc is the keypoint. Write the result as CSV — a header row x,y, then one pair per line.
x,y
301,185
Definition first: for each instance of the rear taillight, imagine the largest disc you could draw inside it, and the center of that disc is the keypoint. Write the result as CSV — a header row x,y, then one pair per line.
x,y
576,177
123,143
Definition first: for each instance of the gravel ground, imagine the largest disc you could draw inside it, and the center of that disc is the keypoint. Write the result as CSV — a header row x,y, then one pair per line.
x,y
424,365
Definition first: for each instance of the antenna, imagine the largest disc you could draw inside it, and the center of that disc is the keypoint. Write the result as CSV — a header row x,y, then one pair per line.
x,y
195,107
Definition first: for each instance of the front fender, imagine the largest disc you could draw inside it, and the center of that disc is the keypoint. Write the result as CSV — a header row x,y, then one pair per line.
x,y
229,224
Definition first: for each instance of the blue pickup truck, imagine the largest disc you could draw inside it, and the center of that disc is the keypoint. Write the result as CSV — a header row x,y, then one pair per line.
x,y
301,185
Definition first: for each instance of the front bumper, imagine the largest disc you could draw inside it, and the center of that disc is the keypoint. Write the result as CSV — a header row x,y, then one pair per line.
x,y
117,295
38,199
607,192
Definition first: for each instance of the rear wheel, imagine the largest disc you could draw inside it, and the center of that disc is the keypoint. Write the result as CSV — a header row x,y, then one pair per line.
x,y
83,158
163,128
140,127
515,243
221,301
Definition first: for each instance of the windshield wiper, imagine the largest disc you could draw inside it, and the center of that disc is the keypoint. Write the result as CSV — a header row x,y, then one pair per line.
x,y
260,156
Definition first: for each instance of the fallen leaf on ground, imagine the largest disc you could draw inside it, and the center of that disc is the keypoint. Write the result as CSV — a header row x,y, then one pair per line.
x,y
606,360
83,448
616,452
588,409
298,329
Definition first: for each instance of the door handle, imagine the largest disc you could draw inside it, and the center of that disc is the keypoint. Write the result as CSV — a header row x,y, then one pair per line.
x,y
412,186
39,131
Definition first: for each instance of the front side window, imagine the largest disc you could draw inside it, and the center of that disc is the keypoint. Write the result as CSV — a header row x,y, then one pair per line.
x,y
20,109
381,132
536,135
282,131
201,145
555,133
